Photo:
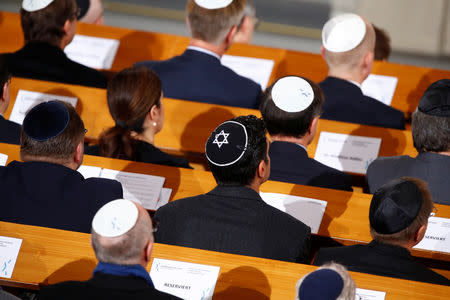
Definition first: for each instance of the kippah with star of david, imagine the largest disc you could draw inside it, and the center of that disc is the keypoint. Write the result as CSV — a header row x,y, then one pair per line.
x,y
292,94
115,218
227,144
35,5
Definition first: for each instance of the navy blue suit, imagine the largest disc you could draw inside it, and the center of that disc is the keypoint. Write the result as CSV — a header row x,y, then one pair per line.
x,y
9,132
290,163
52,195
201,77
344,101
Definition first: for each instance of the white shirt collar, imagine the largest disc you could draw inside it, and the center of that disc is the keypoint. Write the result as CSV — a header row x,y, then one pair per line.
x,y
355,83
203,50
303,147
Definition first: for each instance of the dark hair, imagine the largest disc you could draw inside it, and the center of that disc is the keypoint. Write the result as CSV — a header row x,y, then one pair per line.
x,y
430,133
47,24
280,122
59,148
382,44
131,95
244,170
4,73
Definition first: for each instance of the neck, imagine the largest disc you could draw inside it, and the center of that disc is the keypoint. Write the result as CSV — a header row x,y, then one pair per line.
x,y
69,164
304,140
347,75
446,153
148,135
255,185
218,49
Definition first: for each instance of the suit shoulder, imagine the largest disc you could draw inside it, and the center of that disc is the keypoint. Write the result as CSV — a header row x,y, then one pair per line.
x,y
325,255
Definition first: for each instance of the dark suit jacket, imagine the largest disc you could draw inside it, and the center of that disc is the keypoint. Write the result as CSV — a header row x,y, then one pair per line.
x,y
103,286
43,61
380,259
289,162
9,131
344,101
431,167
52,195
233,219
201,77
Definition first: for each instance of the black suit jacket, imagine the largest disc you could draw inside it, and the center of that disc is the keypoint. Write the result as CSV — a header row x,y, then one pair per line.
x,y
380,259
52,195
289,162
233,219
344,101
9,131
431,167
43,61
201,77
103,286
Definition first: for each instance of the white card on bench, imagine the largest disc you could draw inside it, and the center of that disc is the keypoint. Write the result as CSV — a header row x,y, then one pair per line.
x,y
9,250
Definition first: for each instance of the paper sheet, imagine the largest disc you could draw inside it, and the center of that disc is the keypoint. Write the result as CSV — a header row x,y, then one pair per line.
x,y
380,87
89,171
437,236
9,250
309,211
164,198
257,69
185,280
3,159
141,188
363,294
26,100
94,52
345,152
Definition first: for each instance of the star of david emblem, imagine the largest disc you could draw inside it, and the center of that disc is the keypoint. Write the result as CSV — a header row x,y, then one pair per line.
x,y
223,140
304,93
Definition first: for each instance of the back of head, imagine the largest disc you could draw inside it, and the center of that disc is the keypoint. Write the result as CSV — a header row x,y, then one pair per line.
x,y
131,95
4,74
289,105
235,149
51,131
431,120
398,210
382,44
46,24
211,24
91,11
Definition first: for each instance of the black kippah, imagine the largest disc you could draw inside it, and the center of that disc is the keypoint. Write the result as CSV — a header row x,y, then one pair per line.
x,y
46,121
436,99
323,284
83,6
395,206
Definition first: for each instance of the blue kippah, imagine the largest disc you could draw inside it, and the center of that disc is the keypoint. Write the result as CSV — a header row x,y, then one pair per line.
x,y
46,121
436,99
323,284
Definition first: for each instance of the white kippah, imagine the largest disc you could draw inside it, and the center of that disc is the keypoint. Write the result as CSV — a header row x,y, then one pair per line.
x,y
115,218
34,5
213,4
292,94
343,33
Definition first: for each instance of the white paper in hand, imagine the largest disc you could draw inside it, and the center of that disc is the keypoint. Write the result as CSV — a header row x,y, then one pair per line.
x,y
94,52
184,280
345,152
363,294
26,100
380,87
9,250
256,69
3,159
89,171
437,236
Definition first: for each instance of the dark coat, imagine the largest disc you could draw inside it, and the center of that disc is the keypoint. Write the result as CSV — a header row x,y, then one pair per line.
x,y
233,219
43,61
201,77
52,195
380,259
289,162
344,101
9,131
431,167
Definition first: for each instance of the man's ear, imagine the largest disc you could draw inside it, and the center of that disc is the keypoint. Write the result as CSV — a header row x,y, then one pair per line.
x,y
66,27
262,169
420,233
322,51
148,251
3,95
313,126
79,153
188,25
230,36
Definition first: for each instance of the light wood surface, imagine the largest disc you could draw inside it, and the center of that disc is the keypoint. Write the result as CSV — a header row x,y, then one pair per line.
x,y
49,256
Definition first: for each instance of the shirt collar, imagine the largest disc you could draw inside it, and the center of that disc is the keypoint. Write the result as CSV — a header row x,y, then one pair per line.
x,y
203,50
302,147
126,270
355,83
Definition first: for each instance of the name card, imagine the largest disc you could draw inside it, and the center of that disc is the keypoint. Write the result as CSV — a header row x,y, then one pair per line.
x,y
94,52
345,152
184,280
363,294
309,211
380,87
9,250
26,100
3,159
256,69
437,236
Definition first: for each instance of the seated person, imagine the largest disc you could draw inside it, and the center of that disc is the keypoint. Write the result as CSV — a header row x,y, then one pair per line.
x,y
329,282
382,44
48,27
431,136
123,253
349,58
9,131
135,103
198,74
291,109
232,217
398,217
45,189
248,24
91,11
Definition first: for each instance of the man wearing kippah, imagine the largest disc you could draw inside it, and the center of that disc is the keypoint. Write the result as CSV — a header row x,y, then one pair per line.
x,y
431,136
45,189
348,44
122,238
232,217
398,217
198,74
91,11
